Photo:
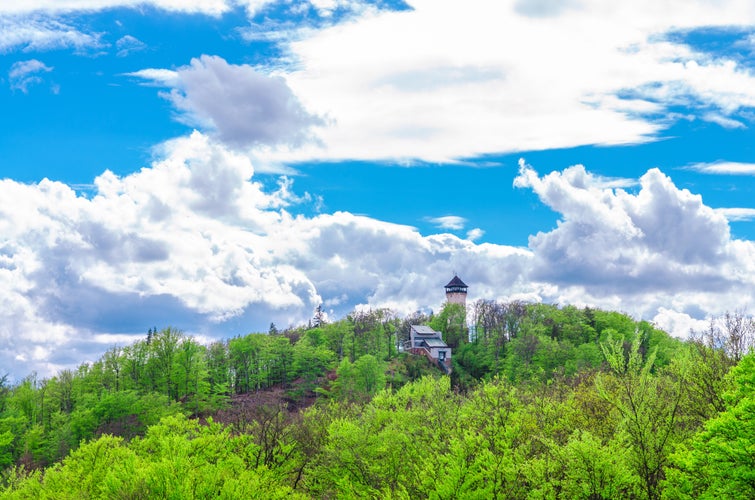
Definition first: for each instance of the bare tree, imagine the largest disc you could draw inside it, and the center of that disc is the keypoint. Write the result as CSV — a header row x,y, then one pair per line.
x,y
739,334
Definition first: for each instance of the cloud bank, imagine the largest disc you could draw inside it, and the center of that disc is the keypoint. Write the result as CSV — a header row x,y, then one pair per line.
x,y
439,83
195,241
640,252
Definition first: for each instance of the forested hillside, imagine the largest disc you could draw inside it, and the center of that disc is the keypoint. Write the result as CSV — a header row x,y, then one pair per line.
x,y
543,402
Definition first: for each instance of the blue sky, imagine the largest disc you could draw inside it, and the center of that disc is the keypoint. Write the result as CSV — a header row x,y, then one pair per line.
x,y
216,165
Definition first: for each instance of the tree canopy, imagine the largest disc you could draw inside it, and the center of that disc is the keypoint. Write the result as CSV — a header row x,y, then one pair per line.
x,y
543,402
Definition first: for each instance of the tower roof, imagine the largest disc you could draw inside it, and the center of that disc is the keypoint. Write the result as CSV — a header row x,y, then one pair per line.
x,y
456,282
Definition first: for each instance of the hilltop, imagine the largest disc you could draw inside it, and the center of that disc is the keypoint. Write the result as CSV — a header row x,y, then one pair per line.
x,y
542,400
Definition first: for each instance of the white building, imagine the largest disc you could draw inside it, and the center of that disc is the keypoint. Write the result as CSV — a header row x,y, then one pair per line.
x,y
425,341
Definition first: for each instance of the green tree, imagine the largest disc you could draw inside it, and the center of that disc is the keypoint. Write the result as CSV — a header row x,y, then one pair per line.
x,y
164,349
360,380
191,375
218,373
452,323
178,458
720,460
649,406
594,470
488,450
388,448
278,356
310,361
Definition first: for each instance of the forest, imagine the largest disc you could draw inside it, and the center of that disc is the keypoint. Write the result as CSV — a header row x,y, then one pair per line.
x,y
544,401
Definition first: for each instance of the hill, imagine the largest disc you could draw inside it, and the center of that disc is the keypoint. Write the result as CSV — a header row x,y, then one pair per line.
x,y
543,401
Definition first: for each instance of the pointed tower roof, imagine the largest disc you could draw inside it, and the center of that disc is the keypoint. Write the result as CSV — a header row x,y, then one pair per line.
x,y
456,282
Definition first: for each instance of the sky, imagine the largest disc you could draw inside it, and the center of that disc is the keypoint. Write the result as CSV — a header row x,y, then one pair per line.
x,y
220,165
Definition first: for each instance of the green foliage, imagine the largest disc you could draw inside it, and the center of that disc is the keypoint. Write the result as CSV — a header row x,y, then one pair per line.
x,y
595,470
311,360
369,332
6,449
543,402
177,458
360,380
540,342
649,406
452,323
720,461
390,448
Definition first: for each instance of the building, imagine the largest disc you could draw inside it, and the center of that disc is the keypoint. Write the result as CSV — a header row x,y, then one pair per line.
x,y
456,291
424,341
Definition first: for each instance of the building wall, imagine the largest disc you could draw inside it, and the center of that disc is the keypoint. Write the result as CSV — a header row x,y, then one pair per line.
x,y
457,298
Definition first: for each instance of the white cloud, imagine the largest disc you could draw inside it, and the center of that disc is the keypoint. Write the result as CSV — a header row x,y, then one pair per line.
x,y
211,7
43,34
157,77
723,121
23,74
737,214
253,7
475,234
440,83
128,44
661,247
324,8
544,8
725,167
194,241
453,222
243,106
678,324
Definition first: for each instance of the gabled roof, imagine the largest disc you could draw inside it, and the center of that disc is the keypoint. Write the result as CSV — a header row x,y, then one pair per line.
x,y
456,282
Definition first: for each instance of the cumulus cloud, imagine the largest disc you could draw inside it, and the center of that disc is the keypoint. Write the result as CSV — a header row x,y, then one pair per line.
x,y
678,323
241,105
660,247
23,74
196,242
194,239
185,238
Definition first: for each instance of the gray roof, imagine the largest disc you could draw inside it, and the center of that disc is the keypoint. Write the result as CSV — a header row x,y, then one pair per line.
x,y
456,282
435,343
424,330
